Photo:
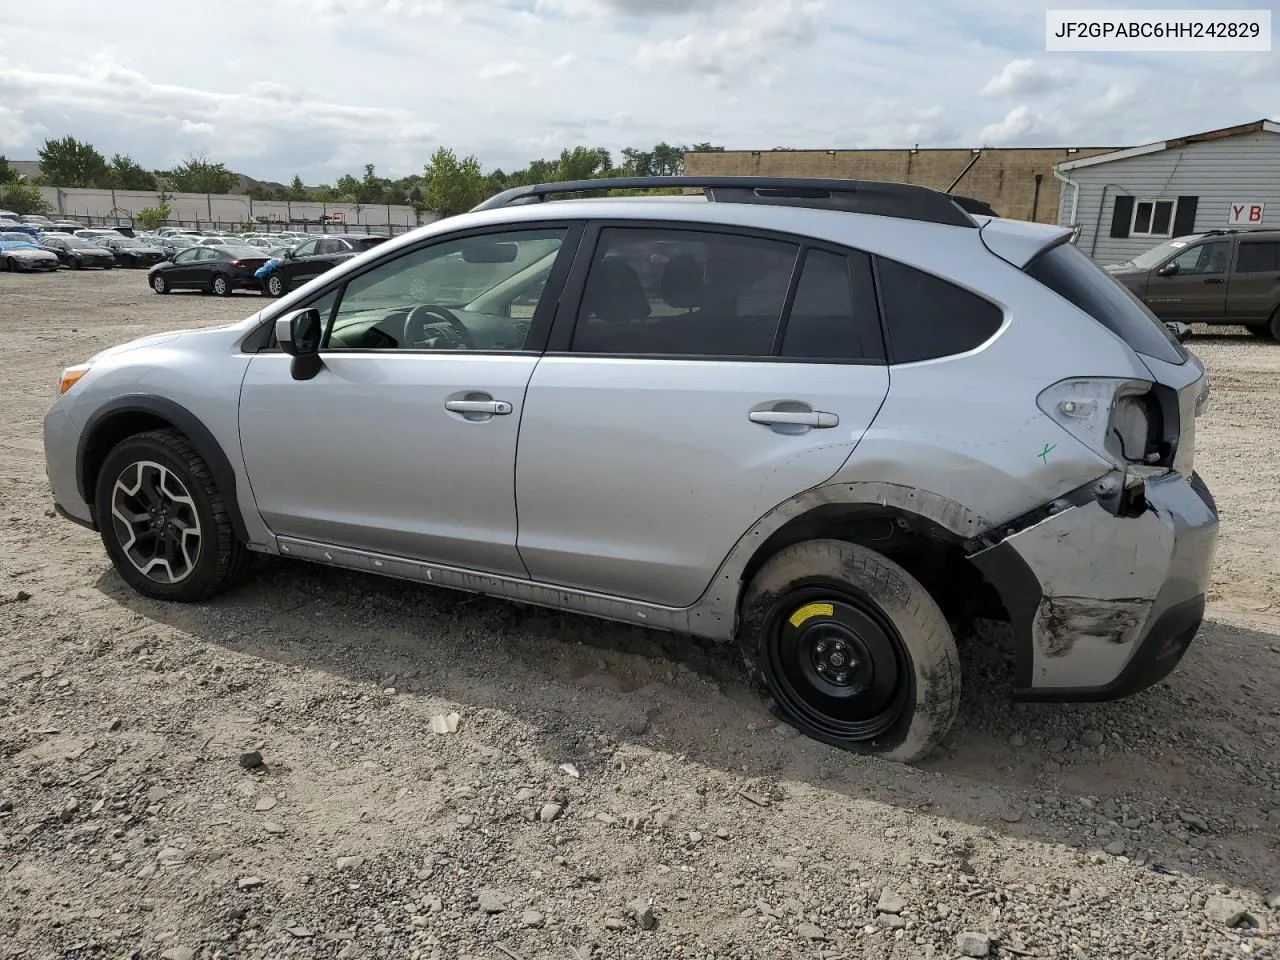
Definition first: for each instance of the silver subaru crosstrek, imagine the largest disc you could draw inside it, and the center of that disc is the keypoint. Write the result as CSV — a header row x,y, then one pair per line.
x,y
832,421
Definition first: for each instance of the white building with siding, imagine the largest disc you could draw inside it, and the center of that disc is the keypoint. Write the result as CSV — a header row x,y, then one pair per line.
x,y
1128,201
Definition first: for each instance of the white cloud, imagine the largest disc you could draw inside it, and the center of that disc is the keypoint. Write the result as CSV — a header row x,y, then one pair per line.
x,y
1027,78
746,51
1017,127
495,71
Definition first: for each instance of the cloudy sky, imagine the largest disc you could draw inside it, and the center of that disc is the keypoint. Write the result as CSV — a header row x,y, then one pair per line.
x,y
320,87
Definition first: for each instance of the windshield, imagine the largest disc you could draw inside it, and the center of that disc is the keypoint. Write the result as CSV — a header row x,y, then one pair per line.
x,y
77,243
130,243
16,237
1068,272
241,251
1155,255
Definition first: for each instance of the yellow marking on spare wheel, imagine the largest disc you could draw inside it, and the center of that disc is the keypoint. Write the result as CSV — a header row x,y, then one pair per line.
x,y
811,610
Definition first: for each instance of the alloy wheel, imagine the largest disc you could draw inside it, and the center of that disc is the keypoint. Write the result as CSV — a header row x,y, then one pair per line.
x,y
156,521
836,664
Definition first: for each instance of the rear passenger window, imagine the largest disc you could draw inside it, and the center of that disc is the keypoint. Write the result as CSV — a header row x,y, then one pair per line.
x,y
669,292
834,315
927,317
1258,258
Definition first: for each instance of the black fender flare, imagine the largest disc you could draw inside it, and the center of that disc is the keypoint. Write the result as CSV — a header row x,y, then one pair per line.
x,y
182,419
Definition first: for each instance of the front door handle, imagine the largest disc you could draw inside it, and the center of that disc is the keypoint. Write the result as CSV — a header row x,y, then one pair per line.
x,y
803,418
491,407
1215,280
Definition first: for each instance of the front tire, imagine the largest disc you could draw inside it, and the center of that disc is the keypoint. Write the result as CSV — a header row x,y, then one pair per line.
x,y
158,284
852,650
1273,327
163,520
10,265
220,286
77,263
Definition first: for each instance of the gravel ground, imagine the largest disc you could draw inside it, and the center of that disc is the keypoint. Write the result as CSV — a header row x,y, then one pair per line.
x,y
260,776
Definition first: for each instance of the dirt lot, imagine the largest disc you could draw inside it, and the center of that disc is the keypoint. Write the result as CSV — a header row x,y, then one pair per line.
x,y
130,828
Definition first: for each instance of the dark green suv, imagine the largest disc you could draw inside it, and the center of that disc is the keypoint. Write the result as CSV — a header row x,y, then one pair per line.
x,y
1221,276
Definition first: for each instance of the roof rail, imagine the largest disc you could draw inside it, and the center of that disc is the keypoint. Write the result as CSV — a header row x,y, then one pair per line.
x,y
880,198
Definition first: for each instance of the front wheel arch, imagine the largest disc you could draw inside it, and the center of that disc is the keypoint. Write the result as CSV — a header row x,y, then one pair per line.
x,y
127,416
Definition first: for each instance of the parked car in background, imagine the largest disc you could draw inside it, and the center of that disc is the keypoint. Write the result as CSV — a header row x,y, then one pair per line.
x,y
35,220
19,236
25,255
132,252
175,231
71,226
217,270
173,243
90,233
21,230
218,241
266,274
313,257
76,252
1216,277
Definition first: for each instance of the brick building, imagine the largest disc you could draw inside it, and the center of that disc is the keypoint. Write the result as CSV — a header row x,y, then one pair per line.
x,y
1017,182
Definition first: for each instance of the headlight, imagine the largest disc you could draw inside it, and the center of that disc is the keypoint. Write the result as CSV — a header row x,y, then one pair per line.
x,y
70,376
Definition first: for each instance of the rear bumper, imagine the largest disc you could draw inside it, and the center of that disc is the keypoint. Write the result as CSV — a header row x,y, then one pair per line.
x,y
1104,606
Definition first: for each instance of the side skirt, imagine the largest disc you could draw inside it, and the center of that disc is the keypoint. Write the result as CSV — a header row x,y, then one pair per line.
x,y
692,620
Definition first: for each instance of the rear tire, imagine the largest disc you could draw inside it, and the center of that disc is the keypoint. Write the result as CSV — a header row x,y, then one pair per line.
x,y
1274,326
851,649
220,286
77,263
274,286
161,469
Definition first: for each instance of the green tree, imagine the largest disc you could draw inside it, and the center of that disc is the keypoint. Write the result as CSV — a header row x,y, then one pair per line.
x,y
453,186
197,174
7,173
347,188
126,174
151,217
22,198
69,163
297,191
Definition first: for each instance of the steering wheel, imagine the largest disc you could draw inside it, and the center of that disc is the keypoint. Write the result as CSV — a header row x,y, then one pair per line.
x,y
422,317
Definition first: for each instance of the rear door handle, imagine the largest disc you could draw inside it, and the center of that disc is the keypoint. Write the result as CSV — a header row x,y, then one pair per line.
x,y
492,407
804,418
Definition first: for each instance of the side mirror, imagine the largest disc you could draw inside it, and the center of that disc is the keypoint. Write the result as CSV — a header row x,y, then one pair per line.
x,y
298,334
1168,270
1179,330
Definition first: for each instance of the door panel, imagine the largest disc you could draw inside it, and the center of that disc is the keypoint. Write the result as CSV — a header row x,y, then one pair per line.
x,y
405,442
1253,291
1198,291
367,455
635,477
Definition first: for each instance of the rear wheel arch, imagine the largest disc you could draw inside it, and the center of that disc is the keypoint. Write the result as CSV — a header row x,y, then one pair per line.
x,y
928,544
129,416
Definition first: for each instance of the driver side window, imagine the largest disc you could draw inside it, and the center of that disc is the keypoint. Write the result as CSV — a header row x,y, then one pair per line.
x,y
1206,258
471,293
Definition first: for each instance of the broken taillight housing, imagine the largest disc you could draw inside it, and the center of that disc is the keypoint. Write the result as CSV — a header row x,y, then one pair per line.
x,y
1118,419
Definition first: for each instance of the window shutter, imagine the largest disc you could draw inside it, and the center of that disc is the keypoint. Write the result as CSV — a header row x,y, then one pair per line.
x,y
1122,217
1184,220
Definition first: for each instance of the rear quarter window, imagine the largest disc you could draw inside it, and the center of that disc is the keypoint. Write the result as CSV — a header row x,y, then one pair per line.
x,y
926,317
1066,271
